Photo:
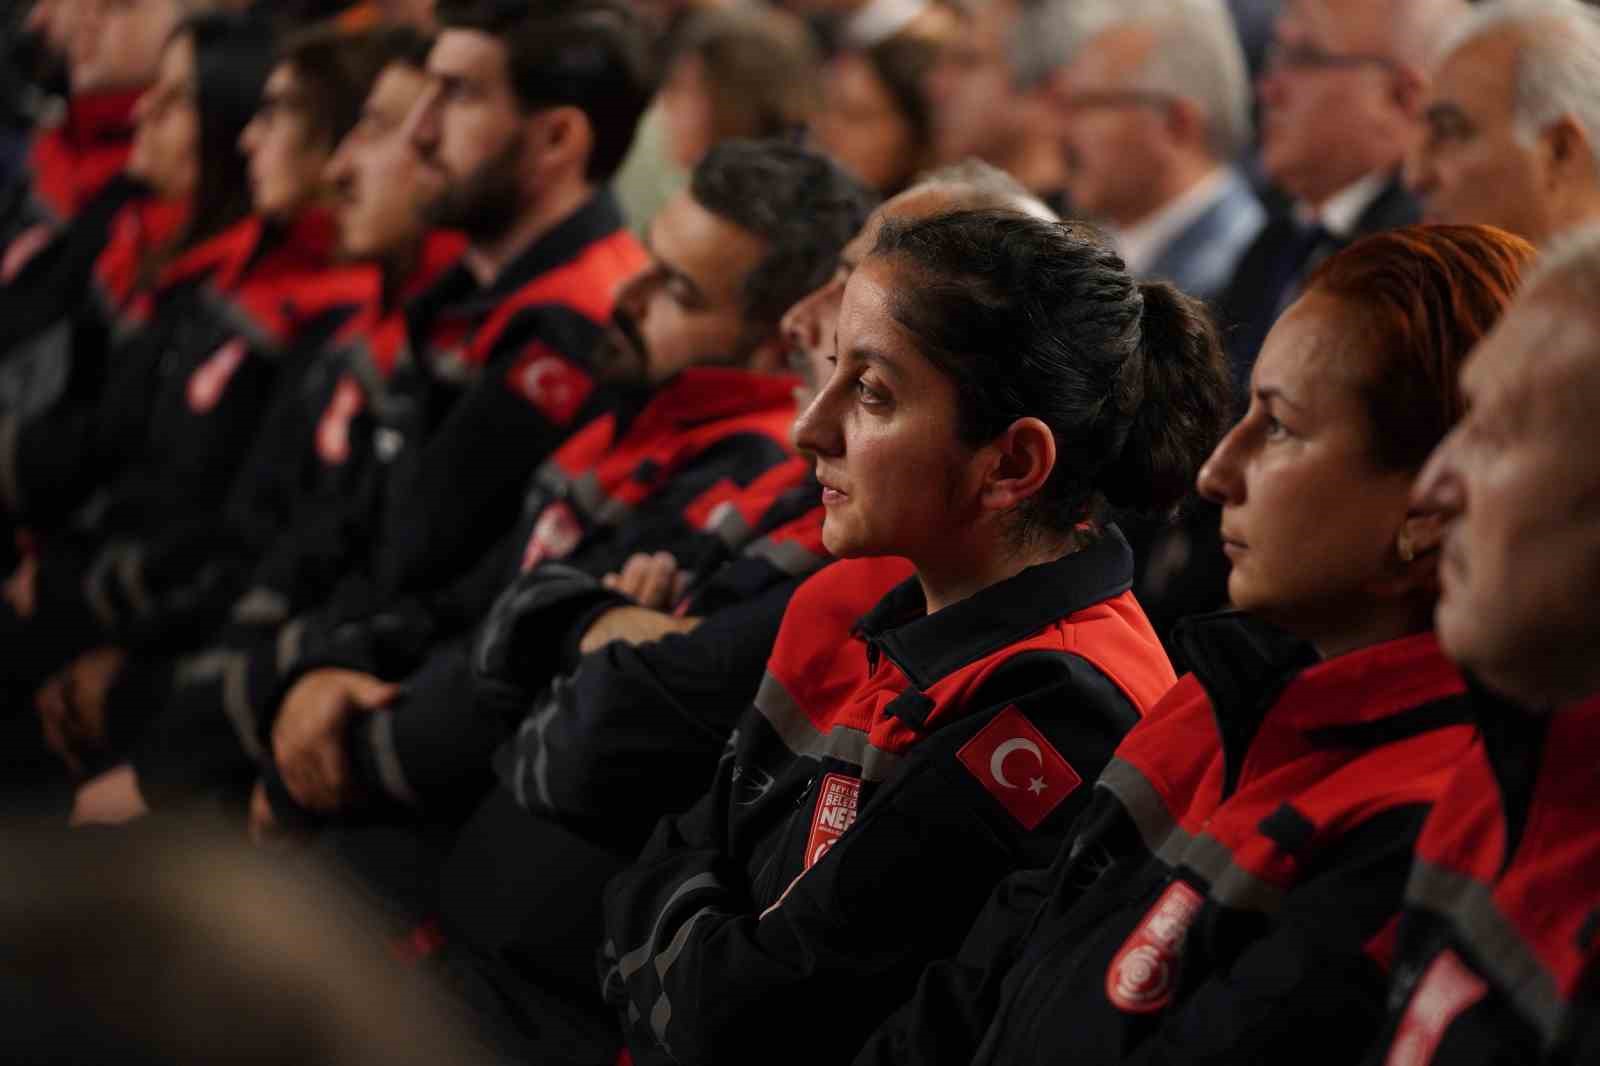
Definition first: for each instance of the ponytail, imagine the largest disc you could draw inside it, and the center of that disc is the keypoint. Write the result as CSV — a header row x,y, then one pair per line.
x,y
1182,408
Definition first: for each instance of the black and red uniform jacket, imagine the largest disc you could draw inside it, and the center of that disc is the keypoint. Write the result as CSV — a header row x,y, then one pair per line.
x,y
490,381
68,165
621,485
1226,895
301,508
1499,948
119,493
896,766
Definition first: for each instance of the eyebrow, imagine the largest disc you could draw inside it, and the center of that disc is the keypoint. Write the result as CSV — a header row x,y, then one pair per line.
x,y
1444,110
866,354
673,272
1272,392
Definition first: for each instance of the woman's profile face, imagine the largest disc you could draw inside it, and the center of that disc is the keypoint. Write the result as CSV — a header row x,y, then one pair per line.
x,y
166,141
896,478
1309,518
862,127
286,162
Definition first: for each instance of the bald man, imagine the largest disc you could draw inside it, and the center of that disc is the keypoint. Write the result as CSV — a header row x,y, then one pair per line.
x,y
1499,958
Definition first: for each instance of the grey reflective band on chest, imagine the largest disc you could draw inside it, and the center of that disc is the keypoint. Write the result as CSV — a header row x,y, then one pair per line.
x,y
1230,884
1469,906
849,745
787,556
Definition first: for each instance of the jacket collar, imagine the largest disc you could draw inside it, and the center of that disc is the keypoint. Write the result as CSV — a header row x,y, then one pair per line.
x,y
1376,694
459,291
927,647
706,394
100,118
1519,743
229,255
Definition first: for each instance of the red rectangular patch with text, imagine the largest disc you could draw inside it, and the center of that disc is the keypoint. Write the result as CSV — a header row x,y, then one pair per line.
x,y
837,801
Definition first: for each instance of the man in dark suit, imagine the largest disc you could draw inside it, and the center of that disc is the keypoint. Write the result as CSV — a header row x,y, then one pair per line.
x,y
1154,102
1341,98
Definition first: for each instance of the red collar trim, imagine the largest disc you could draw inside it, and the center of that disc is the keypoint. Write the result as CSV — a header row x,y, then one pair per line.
x,y
705,394
104,116
1369,684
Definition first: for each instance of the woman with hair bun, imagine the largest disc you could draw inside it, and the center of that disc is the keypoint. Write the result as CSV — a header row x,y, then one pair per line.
x,y
937,702
1229,895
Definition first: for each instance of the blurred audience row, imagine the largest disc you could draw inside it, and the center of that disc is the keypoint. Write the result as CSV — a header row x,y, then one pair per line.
x,y
572,531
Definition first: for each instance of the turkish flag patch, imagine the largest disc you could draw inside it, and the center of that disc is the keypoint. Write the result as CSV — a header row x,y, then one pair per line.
x,y
837,801
1447,990
210,379
1019,767
1139,979
550,382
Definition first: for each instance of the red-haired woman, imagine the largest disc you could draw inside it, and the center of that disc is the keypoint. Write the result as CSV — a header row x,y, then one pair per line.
x,y
1229,893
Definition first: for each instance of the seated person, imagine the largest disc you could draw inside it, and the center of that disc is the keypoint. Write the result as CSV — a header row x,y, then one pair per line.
x,y
629,717
1498,961
1225,896
300,492
125,498
695,337
936,702
458,424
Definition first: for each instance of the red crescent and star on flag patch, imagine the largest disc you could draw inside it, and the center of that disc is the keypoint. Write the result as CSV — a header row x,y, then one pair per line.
x,y
551,383
1020,768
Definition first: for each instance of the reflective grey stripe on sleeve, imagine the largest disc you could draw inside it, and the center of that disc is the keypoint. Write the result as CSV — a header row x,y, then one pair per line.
x,y
1470,908
130,575
781,711
229,670
96,590
661,1010
10,478
290,637
537,769
1231,884
786,555
729,525
635,960
261,606
386,754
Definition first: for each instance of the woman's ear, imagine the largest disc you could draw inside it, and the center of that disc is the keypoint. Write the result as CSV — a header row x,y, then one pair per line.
x,y
1420,536
1021,461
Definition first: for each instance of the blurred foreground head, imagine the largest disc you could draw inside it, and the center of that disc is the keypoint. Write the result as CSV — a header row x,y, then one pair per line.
x,y
184,948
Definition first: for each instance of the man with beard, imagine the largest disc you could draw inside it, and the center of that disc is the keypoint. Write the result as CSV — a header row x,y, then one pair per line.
x,y
689,466
527,115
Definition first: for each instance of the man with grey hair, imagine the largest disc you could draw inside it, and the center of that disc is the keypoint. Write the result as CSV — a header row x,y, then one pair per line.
x,y
1154,106
1499,946
1340,103
1513,120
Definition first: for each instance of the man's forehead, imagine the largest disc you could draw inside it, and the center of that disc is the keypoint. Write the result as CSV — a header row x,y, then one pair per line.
x,y
460,53
1345,25
1482,68
1544,358
396,89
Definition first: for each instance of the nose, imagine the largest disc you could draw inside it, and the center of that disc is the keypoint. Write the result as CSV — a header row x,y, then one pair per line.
x,y
818,430
801,326
250,136
424,123
336,173
1419,173
1437,487
1219,480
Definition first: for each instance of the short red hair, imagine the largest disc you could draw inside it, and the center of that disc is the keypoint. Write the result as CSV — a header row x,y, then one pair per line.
x,y
1428,294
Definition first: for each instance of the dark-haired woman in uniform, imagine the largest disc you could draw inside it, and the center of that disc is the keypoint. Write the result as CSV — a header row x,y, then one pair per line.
x,y
937,703
1230,892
